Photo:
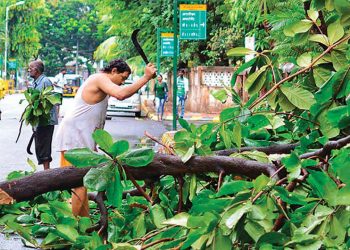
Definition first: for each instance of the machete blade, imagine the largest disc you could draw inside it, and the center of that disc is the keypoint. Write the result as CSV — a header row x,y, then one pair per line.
x,y
138,46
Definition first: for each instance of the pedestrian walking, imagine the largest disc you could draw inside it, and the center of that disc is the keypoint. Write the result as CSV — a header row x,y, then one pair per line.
x,y
160,96
182,91
88,113
44,131
59,82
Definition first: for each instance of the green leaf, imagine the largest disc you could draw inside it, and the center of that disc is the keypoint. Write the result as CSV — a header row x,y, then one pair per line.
x,y
25,219
84,157
220,95
293,166
273,238
193,187
335,32
124,246
323,186
184,145
225,136
240,51
283,101
103,139
84,223
299,97
22,231
323,39
254,82
139,226
258,121
233,215
233,187
304,60
252,155
184,124
229,113
342,6
338,167
139,157
242,68
313,14
118,148
178,220
114,189
157,215
54,99
321,75
298,27
339,59
97,178
290,198
67,232
260,183
237,134
220,241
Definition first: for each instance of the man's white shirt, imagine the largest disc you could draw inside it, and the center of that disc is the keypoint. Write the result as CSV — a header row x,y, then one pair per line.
x,y
60,80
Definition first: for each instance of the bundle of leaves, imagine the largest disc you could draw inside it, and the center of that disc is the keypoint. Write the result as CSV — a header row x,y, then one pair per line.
x,y
39,105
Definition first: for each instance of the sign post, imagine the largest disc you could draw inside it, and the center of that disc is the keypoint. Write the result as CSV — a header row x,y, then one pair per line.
x,y
175,27
167,44
193,21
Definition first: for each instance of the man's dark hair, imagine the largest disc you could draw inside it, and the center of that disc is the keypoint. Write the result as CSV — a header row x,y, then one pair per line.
x,y
63,69
119,64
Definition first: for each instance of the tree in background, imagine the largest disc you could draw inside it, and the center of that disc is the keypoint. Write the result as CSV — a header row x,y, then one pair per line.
x,y
70,26
23,33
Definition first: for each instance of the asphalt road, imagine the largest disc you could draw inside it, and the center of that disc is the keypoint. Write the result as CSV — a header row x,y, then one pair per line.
x,y
13,156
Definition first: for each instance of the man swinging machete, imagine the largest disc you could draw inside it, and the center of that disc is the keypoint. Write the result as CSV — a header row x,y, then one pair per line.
x,y
88,113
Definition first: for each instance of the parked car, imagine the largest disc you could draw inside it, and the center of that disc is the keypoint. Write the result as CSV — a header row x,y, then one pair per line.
x,y
129,105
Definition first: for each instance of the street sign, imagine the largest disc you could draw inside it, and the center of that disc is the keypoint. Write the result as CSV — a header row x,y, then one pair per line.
x,y
193,21
167,44
12,63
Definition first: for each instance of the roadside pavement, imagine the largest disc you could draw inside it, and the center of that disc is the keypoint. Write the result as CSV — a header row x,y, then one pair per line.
x,y
148,109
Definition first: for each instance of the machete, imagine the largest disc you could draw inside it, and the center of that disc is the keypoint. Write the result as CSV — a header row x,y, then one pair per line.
x,y
138,46
30,143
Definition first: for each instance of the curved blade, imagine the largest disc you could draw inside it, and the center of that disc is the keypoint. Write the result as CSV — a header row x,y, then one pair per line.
x,y
138,46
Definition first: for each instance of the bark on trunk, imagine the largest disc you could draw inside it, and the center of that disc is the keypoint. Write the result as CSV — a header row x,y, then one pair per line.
x,y
66,178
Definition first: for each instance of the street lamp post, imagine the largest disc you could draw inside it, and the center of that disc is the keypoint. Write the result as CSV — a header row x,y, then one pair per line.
x,y
6,33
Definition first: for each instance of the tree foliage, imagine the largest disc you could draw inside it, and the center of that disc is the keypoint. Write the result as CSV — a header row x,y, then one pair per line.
x,y
23,34
71,26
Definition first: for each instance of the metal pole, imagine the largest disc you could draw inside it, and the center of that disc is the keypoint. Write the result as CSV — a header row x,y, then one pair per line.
x,y
6,34
175,27
76,58
158,50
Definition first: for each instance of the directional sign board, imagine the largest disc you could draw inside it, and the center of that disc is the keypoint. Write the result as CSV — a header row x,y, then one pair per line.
x,y
12,63
193,21
167,44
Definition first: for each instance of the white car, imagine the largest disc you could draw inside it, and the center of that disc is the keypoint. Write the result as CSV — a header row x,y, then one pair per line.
x,y
129,105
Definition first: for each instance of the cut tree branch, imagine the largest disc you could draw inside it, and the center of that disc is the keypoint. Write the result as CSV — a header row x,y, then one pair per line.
x,y
41,182
299,72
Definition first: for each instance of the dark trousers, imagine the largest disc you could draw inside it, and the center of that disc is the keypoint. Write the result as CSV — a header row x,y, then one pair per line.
x,y
43,141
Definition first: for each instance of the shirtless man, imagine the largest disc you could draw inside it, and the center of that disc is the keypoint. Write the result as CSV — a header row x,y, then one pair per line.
x,y
88,113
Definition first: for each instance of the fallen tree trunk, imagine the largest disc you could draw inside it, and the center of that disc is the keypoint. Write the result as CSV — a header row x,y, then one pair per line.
x,y
66,178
